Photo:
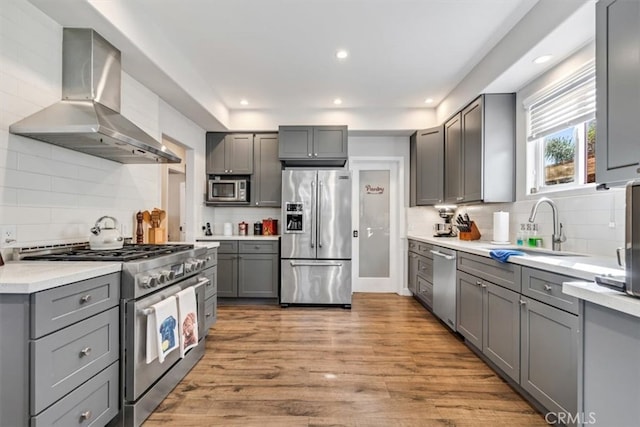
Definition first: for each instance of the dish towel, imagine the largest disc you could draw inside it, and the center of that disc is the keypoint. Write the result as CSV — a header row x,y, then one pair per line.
x,y
162,329
503,255
187,319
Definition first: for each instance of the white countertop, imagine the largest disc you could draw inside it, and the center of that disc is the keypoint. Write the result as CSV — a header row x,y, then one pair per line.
x,y
581,267
236,237
25,277
615,300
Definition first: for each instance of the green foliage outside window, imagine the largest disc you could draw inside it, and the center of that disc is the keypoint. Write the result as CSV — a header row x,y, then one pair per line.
x,y
560,150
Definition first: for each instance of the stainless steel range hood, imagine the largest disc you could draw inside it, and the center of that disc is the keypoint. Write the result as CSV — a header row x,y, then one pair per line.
x,y
88,118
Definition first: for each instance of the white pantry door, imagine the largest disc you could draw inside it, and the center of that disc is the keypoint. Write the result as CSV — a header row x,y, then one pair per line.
x,y
375,210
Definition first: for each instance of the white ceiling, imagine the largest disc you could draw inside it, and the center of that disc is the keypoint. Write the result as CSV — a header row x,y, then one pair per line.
x,y
280,54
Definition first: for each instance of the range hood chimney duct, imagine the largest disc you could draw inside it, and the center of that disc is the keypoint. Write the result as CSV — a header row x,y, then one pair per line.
x,y
88,118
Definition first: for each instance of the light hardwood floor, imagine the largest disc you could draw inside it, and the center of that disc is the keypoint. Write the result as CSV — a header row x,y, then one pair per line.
x,y
385,362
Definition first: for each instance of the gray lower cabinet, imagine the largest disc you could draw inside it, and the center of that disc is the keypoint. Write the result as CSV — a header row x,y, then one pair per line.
x,y
489,319
62,362
211,290
427,167
420,272
313,145
549,348
248,269
525,326
618,90
266,181
229,154
413,272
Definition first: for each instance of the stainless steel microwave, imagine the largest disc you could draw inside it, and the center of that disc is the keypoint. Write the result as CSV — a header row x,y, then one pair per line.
x,y
228,191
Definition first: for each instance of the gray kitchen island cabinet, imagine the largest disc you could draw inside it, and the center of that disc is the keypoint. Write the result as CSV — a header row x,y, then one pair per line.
x,y
313,145
427,167
229,154
60,353
618,91
248,269
266,181
480,151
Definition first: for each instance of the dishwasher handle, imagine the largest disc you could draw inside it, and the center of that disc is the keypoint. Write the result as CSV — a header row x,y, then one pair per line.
x,y
445,256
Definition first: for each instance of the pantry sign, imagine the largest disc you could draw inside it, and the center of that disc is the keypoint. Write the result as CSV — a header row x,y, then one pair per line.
x,y
373,189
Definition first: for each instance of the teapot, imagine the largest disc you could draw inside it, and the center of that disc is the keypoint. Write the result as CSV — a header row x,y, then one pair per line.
x,y
104,237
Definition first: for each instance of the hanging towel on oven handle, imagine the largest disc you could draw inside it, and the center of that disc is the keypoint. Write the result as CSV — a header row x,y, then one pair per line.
x,y
187,319
162,329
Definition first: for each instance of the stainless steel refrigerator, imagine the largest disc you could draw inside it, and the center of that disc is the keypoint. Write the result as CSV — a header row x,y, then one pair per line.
x,y
315,261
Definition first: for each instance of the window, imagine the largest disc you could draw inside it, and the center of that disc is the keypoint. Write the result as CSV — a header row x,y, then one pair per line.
x,y
561,133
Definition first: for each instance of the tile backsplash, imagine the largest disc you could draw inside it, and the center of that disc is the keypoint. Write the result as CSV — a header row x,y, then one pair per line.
x,y
48,192
593,223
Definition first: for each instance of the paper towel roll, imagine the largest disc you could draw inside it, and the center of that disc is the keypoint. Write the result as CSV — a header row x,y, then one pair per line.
x,y
228,229
500,227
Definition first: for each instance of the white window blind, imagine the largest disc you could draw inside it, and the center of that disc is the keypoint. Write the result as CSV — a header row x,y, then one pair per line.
x,y
567,103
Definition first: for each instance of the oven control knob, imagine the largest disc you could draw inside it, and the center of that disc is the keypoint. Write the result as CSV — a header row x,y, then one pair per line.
x,y
154,280
189,266
201,263
168,275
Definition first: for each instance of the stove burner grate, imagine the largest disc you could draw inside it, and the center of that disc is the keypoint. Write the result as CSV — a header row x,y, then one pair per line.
x,y
127,253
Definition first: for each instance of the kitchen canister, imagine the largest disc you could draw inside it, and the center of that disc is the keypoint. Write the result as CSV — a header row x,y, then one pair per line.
x,y
500,227
269,227
243,229
228,229
257,229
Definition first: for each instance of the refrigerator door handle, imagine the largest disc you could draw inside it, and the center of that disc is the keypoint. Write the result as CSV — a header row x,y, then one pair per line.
x,y
311,230
319,210
315,264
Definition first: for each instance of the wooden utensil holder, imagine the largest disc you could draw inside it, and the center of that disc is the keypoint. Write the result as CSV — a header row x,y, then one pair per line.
x,y
156,235
474,234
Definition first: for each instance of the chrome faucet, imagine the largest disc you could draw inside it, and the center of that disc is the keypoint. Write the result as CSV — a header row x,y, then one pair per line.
x,y
558,236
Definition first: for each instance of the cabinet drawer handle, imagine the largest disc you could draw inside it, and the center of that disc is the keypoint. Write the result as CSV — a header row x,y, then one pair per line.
x,y
315,154
547,288
208,315
256,247
478,283
86,415
85,351
483,285
85,299
459,198
522,302
308,154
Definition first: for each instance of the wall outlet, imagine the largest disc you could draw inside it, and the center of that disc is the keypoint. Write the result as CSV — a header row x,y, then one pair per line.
x,y
7,235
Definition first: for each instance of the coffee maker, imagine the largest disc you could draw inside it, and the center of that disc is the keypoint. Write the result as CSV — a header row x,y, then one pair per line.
x,y
445,229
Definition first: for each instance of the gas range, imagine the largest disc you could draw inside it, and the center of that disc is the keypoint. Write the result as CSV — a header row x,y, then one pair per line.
x,y
145,268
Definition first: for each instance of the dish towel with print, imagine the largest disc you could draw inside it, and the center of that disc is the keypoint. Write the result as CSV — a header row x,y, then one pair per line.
x,y
187,319
162,329
503,255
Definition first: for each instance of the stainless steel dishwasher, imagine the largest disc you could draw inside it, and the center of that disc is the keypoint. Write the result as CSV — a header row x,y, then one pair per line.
x,y
444,285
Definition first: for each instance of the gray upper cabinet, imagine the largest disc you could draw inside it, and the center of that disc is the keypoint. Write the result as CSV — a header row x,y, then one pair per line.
x,y
618,91
313,145
427,167
453,160
266,181
480,151
229,154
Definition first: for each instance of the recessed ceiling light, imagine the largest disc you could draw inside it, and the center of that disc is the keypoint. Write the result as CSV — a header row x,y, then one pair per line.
x,y
428,100
542,59
337,101
342,54
244,102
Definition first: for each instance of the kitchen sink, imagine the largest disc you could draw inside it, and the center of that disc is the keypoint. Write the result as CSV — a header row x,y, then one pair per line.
x,y
536,251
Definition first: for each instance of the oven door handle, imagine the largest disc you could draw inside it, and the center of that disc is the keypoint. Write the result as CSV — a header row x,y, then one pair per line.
x,y
202,281
149,310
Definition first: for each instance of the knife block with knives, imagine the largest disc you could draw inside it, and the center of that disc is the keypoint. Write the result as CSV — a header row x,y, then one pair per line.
x,y
467,229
